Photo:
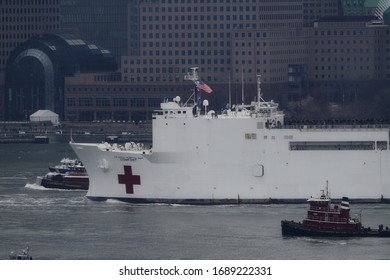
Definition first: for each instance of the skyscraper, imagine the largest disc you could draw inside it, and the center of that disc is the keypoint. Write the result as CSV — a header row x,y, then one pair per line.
x,y
99,21
313,10
240,39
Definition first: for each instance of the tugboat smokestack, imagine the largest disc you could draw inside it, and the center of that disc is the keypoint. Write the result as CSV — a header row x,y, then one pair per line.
x,y
344,207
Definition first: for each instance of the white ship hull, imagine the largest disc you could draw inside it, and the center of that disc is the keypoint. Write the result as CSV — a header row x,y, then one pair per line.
x,y
218,164
241,156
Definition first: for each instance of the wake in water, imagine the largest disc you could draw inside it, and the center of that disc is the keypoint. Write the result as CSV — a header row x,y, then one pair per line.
x,y
114,201
27,201
35,187
14,178
326,241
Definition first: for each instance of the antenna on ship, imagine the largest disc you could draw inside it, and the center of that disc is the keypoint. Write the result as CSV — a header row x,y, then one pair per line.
x,y
71,136
259,88
242,86
230,94
327,189
192,75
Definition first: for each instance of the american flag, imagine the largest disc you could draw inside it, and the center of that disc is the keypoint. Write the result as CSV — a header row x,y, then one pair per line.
x,y
201,85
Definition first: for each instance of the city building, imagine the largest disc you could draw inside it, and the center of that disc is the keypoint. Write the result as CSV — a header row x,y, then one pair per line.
x,y
36,71
99,21
299,47
21,20
103,97
313,10
347,55
288,43
232,42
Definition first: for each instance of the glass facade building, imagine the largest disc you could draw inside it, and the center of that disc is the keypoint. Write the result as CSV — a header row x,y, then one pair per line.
x,y
99,21
36,71
19,21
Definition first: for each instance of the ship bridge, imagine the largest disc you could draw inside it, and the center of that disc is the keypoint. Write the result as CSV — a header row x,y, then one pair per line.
x,y
173,109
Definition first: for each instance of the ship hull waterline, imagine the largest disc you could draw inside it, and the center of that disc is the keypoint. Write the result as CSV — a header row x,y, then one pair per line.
x,y
291,228
251,173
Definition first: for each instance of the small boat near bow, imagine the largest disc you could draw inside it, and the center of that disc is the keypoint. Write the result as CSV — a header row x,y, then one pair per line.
x,y
64,181
70,174
328,220
68,165
22,255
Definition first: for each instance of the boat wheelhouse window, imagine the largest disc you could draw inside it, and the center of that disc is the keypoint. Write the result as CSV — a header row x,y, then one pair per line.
x,y
332,145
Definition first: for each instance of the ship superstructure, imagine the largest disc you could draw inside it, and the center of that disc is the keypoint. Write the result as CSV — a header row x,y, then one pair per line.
x,y
244,154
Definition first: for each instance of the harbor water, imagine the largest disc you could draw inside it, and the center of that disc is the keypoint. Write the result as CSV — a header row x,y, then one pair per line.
x,y
65,225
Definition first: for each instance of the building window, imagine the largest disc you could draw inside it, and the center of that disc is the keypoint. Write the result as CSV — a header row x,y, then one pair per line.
x,y
71,102
154,102
120,102
102,102
137,102
86,101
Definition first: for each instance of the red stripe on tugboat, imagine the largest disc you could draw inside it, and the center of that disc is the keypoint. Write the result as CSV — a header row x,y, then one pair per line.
x,y
328,220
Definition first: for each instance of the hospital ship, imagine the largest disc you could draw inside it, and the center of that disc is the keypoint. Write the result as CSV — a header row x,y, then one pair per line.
x,y
244,154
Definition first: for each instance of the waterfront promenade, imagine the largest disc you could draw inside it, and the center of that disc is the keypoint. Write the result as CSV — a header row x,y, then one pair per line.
x,y
21,131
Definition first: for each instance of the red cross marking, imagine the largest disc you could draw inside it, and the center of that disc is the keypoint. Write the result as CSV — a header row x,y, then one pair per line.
x,y
129,179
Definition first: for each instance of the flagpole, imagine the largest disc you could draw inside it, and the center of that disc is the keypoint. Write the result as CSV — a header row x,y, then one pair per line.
x,y
242,85
230,94
258,88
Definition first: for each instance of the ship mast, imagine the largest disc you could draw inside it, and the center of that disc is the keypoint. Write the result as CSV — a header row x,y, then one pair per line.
x,y
230,94
259,88
194,77
242,86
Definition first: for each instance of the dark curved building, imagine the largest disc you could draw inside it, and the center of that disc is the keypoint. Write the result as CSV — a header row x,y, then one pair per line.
x,y
36,70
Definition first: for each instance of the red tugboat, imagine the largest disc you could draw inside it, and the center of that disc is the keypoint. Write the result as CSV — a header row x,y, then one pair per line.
x,y
328,220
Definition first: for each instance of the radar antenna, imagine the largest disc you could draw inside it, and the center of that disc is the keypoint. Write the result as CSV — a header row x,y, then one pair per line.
x,y
192,75
259,88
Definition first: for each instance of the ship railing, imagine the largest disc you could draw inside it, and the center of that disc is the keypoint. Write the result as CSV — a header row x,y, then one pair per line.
x,y
328,219
335,126
129,146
